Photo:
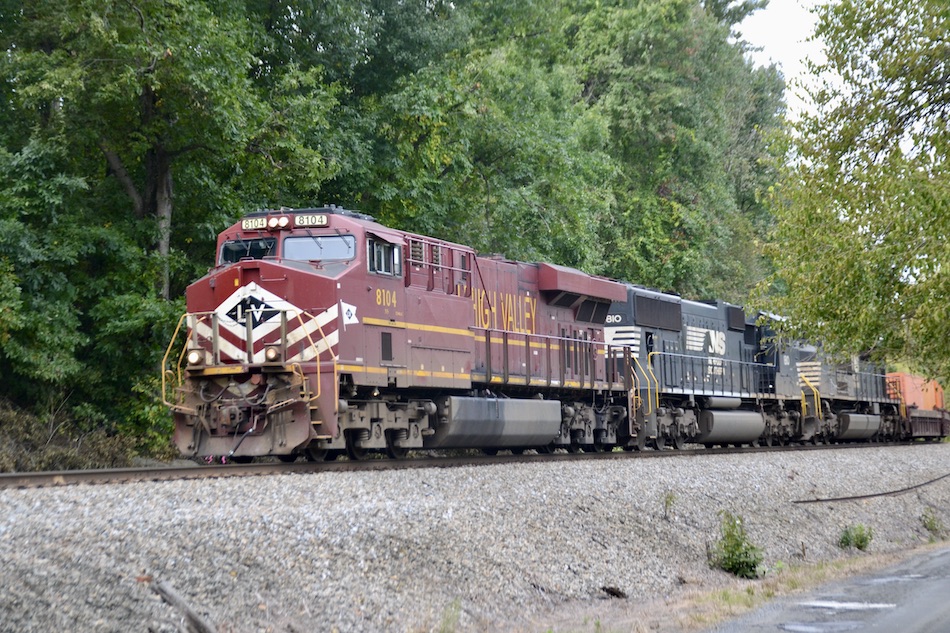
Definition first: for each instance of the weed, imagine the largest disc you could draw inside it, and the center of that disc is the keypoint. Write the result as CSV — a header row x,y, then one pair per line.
x,y
857,536
932,524
450,618
668,500
734,552
777,568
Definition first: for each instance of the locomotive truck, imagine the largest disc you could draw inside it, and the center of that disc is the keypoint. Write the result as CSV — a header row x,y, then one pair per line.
x,y
320,332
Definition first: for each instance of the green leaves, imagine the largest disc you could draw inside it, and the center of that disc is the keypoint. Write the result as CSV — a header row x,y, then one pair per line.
x,y
864,211
689,120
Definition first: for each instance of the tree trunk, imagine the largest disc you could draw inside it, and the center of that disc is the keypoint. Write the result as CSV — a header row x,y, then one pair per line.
x,y
162,179
156,198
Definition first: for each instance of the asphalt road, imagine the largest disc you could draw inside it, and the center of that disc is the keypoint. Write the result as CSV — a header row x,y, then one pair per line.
x,y
911,597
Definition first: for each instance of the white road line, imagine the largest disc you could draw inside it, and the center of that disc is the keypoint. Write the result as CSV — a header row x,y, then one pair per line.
x,y
846,606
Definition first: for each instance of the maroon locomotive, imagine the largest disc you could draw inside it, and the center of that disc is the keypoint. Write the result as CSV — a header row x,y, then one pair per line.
x,y
320,331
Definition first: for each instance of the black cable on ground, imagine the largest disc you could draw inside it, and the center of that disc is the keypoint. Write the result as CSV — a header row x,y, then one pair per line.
x,y
892,493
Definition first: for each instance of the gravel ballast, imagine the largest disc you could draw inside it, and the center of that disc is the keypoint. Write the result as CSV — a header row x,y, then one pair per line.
x,y
500,547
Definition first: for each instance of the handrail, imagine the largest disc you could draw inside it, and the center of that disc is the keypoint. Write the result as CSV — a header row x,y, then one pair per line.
x,y
653,396
745,369
815,392
894,384
168,351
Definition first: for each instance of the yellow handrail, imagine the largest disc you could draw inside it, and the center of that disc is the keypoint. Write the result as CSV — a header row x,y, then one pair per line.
x,y
655,379
168,352
295,368
815,392
896,387
638,401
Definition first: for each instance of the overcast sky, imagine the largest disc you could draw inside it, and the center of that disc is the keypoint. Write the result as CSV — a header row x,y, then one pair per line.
x,y
781,31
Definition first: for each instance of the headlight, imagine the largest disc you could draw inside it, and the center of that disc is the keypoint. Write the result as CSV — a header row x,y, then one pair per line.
x,y
278,222
272,353
196,357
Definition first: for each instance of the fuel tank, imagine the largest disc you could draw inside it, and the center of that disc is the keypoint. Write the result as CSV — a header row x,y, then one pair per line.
x,y
728,427
857,426
466,422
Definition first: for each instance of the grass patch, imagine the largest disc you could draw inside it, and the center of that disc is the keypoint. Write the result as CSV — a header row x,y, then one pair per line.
x,y
708,609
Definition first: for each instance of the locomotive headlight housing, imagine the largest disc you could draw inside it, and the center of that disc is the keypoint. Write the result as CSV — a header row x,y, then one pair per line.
x,y
278,222
272,353
195,357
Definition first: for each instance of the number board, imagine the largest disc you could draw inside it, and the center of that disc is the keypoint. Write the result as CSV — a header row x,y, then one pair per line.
x,y
251,224
311,219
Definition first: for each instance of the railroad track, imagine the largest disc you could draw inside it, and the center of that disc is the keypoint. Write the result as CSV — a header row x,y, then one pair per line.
x,y
197,471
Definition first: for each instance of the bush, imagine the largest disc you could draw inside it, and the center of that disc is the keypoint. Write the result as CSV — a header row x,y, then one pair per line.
x,y
31,443
857,536
734,552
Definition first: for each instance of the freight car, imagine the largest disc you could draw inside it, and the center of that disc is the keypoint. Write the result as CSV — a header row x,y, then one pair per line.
x,y
320,332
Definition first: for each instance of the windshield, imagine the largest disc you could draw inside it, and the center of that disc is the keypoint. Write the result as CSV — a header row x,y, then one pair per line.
x,y
320,248
236,250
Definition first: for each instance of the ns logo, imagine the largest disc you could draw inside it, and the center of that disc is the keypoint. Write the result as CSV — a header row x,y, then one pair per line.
x,y
716,342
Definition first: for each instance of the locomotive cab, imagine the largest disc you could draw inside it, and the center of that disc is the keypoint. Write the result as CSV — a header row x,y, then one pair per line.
x,y
257,372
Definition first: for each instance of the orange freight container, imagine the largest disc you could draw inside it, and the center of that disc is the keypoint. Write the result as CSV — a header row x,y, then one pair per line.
x,y
915,391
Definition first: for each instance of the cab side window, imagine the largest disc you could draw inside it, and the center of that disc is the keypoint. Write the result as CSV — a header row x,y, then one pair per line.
x,y
384,258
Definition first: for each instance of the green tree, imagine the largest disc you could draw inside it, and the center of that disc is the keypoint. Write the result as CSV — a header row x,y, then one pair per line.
x,y
498,152
864,207
133,132
689,121
138,88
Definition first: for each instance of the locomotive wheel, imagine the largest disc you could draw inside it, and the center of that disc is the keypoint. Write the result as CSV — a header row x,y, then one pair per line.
x,y
641,440
768,440
396,452
599,445
679,442
353,450
393,451
319,454
659,443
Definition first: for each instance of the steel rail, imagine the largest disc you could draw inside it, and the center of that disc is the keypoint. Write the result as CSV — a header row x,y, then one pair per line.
x,y
420,461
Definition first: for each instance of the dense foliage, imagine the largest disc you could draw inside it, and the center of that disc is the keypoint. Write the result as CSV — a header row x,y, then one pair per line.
x,y
864,208
624,137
